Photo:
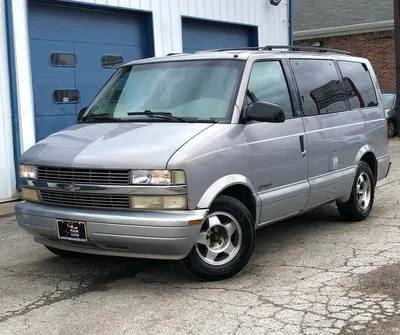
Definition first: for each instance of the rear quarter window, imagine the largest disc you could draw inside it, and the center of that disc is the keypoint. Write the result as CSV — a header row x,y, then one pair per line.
x,y
320,88
359,87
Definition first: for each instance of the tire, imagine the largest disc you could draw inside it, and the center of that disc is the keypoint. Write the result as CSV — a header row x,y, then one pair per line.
x,y
229,227
355,209
64,253
391,129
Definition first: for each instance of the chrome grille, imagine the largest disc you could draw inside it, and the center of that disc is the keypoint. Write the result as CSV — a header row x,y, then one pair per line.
x,y
88,200
83,176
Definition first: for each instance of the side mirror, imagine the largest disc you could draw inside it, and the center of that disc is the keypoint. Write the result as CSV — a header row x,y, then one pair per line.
x,y
265,112
81,112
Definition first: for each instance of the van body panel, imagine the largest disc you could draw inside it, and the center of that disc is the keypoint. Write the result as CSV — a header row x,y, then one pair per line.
x,y
279,169
334,142
215,153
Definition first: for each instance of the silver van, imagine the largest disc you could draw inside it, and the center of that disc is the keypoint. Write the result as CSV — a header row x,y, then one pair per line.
x,y
184,157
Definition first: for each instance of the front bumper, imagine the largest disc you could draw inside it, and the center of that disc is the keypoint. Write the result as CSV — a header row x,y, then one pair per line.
x,y
157,235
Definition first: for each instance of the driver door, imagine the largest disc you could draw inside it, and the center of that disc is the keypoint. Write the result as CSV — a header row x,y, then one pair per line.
x,y
278,150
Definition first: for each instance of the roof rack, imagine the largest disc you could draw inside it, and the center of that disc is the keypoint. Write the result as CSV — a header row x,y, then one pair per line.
x,y
280,47
305,48
232,49
273,47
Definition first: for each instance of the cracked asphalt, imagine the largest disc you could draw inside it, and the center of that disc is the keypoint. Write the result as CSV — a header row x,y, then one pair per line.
x,y
314,274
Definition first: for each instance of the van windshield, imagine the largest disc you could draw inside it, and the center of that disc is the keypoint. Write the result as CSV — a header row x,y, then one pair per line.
x,y
192,91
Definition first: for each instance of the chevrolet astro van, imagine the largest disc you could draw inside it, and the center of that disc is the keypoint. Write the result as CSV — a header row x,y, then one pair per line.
x,y
184,157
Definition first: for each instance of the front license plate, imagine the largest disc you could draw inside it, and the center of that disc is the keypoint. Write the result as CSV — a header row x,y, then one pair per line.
x,y
70,230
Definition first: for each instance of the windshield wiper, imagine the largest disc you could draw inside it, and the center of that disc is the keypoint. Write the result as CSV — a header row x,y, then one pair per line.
x,y
101,117
163,115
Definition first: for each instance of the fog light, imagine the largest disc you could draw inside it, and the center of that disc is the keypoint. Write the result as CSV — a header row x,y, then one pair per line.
x,y
158,202
30,194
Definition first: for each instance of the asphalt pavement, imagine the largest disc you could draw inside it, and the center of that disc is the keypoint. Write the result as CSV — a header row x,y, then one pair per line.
x,y
314,274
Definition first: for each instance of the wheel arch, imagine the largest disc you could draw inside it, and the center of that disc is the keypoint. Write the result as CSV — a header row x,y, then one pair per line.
x,y
367,155
236,186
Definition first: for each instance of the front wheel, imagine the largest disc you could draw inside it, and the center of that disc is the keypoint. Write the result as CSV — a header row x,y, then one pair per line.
x,y
225,242
359,206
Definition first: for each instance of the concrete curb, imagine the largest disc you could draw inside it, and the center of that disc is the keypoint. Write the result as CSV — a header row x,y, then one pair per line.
x,y
7,209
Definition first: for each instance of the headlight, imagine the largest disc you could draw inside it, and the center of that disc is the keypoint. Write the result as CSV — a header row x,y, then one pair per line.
x,y
158,202
27,171
158,177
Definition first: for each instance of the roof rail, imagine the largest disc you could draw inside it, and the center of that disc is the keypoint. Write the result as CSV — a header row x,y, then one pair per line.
x,y
232,49
279,47
305,48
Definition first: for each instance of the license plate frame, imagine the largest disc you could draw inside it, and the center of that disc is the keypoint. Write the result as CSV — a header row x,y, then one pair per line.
x,y
72,230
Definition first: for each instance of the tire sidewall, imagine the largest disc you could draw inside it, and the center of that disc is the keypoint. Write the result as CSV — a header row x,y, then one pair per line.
x,y
363,168
205,271
391,129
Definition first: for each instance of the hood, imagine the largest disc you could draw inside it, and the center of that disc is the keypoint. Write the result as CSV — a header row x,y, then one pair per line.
x,y
113,145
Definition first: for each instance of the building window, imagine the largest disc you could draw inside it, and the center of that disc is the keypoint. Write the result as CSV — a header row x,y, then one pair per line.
x,y
268,84
63,59
66,96
358,83
112,62
320,88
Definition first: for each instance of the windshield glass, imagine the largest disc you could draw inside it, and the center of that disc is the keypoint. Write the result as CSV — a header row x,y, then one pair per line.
x,y
170,91
388,100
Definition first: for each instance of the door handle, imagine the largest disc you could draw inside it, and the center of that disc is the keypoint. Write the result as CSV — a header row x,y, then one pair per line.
x,y
302,146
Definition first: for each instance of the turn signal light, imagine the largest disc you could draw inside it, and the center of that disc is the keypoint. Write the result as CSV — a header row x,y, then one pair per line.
x,y
30,194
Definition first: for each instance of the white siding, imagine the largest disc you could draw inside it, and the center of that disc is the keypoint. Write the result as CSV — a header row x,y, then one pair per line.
x,y
271,21
7,175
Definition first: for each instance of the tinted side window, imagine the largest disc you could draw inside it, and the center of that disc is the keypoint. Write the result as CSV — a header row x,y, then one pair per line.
x,y
268,84
358,83
320,88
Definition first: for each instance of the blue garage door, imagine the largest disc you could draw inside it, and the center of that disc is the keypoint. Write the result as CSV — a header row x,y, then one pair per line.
x,y
73,52
202,35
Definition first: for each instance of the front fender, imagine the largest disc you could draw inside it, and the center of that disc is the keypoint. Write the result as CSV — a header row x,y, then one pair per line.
x,y
223,183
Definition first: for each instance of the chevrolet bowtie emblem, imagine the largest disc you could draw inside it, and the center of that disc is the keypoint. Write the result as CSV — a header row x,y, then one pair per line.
x,y
72,188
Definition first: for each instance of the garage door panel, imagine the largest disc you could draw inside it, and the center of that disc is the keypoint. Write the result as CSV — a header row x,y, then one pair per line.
x,y
41,63
202,35
87,34
44,91
46,126
70,24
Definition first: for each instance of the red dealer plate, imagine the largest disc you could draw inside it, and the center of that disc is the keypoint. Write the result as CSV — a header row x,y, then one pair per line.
x,y
69,230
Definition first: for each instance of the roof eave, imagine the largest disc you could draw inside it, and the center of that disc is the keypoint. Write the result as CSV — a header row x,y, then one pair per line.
x,y
359,28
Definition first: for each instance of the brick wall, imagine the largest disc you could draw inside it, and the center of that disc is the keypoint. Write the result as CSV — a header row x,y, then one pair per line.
x,y
378,47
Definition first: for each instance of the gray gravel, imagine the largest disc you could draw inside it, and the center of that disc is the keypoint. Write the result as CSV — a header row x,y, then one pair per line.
x,y
310,275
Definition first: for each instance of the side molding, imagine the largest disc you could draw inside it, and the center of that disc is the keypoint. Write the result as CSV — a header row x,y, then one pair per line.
x,y
223,183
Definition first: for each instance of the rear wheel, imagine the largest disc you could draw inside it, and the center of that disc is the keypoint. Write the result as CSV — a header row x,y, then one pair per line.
x,y
225,242
359,206
391,129
64,253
